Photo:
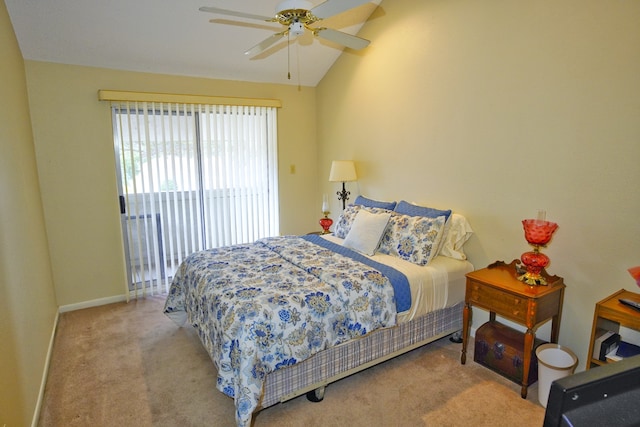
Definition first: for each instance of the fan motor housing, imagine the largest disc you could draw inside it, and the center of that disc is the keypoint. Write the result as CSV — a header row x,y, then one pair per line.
x,y
287,5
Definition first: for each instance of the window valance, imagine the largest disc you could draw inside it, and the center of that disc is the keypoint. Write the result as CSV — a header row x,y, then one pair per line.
x,y
128,96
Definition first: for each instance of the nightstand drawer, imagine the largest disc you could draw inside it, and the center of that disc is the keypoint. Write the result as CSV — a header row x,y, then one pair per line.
x,y
498,301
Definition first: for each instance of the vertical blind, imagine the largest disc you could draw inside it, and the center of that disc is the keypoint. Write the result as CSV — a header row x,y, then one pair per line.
x,y
192,177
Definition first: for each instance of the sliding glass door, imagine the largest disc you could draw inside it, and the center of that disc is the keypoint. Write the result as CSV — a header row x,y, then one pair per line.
x,y
191,177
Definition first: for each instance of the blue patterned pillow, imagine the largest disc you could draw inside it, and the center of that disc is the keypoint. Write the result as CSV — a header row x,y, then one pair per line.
x,y
406,208
370,203
412,238
343,225
347,217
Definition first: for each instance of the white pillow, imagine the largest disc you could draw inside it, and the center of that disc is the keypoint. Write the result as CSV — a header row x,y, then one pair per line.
x,y
457,231
366,231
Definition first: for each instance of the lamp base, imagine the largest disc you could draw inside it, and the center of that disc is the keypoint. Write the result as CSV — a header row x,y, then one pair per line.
x,y
533,279
325,223
344,196
534,262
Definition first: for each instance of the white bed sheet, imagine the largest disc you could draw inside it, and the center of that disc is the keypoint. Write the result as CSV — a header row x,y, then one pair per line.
x,y
440,284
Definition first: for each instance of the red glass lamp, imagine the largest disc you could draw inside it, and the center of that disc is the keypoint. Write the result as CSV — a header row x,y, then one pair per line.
x,y
325,222
635,273
538,233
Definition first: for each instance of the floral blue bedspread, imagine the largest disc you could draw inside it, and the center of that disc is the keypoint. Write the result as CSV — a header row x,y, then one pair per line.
x,y
266,305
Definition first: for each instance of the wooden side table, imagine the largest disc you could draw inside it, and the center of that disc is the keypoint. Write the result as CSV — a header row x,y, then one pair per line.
x,y
497,289
610,314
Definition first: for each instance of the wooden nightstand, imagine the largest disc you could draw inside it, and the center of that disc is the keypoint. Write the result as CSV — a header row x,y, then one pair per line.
x,y
610,315
497,289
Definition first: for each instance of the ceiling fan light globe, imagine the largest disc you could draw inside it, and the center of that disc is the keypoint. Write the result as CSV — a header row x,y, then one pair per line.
x,y
296,29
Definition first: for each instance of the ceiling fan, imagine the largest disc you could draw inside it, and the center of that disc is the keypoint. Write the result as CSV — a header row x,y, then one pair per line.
x,y
297,16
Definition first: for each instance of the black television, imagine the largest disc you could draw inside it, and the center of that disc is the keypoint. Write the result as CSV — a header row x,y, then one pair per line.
x,y
607,395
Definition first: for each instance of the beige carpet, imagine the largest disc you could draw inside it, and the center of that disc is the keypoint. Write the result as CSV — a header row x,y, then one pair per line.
x,y
129,365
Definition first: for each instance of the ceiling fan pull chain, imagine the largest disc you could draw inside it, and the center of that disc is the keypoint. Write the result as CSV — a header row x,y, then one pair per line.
x,y
288,56
298,64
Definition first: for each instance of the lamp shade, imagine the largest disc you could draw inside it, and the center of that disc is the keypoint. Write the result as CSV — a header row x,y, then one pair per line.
x,y
342,171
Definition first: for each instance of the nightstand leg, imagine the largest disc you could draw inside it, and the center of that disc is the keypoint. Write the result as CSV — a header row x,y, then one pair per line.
x,y
529,337
555,328
466,322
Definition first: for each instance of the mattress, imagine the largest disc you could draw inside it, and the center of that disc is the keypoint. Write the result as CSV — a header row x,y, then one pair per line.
x,y
441,284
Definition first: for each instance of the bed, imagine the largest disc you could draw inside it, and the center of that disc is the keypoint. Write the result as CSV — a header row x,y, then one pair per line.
x,y
287,315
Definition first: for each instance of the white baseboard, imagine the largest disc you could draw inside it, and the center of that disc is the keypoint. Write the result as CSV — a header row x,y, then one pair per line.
x,y
92,303
45,373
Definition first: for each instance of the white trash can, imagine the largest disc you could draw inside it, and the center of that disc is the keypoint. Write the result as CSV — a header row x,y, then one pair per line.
x,y
554,362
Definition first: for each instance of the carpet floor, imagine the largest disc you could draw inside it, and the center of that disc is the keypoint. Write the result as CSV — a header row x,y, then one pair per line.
x,y
129,365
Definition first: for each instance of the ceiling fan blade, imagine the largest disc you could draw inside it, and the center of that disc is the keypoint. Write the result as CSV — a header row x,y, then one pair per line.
x,y
264,44
243,24
352,42
234,13
334,7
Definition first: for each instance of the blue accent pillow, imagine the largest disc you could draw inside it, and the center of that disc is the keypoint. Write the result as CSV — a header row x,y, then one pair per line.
x,y
370,203
343,225
406,208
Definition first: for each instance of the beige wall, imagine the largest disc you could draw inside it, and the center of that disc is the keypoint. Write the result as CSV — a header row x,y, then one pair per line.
x,y
29,307
496,109
74,149
492,108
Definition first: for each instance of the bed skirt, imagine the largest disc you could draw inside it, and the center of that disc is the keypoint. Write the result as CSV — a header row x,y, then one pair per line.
x,y
343,360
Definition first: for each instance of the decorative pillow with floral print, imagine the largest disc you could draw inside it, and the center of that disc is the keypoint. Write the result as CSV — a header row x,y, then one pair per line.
x,y
342,227
412,238
348,215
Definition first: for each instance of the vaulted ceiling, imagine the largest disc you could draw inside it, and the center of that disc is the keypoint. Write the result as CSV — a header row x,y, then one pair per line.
x,y
174,37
